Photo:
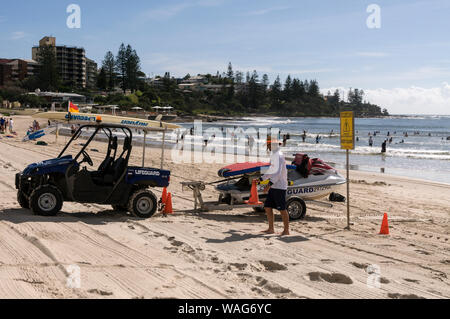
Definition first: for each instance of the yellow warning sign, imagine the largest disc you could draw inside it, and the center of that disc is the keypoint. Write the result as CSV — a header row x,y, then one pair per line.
x,y
347,131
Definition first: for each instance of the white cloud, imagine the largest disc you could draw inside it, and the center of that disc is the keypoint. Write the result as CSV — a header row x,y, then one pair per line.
x,y
412,100
172,10
372,54
18,35
266,11
310,71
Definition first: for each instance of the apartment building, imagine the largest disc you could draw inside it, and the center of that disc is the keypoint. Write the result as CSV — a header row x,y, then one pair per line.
x,y
91,73
13,70
73,66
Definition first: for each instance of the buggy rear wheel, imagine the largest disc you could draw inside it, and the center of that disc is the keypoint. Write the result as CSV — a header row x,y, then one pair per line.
x,y
22,200
143,204
296,208
46,201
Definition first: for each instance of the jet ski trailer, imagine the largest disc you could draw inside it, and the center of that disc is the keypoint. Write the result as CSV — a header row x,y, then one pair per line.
x,y
308,180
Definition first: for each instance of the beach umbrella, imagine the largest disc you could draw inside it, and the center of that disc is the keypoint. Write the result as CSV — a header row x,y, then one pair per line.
x,y
136,108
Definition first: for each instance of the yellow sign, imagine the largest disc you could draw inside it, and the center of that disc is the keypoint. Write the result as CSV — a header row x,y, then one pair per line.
x,y
347,131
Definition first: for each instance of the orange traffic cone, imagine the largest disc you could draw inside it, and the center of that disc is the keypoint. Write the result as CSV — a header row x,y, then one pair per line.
x,y
384,226
168,209
164,196
254,198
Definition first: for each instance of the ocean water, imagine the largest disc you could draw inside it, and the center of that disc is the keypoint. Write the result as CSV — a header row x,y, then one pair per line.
x,y
424,154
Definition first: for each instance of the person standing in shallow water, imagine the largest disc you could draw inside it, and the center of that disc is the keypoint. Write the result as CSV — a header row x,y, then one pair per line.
x,y
277,188
383,147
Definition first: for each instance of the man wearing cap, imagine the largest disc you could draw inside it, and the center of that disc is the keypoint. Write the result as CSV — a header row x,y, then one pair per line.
x,y
276,198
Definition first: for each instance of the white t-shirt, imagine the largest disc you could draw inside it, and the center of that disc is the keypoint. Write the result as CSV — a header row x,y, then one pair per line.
x,y
277,172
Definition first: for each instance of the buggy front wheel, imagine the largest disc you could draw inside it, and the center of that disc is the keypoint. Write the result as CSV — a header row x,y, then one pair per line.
x,y
46,200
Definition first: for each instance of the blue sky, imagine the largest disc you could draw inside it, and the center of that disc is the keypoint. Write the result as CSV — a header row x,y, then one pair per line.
x,y
326,40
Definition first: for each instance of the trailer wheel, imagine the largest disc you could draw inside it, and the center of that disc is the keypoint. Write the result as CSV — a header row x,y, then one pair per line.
x,y
119,208
22,200
296,208
46,201
143,204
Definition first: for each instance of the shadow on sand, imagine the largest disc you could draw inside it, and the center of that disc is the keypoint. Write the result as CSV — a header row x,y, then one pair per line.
x,y
235,236
19,216
247,217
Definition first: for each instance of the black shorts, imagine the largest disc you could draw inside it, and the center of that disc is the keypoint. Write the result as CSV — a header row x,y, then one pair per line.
x,y
276,199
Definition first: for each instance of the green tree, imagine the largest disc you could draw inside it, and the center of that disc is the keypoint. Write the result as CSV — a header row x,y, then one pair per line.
x,y
288,88
276,93
265,82
121,67
109,67
230,73
48,76
313,89
102,80
133,68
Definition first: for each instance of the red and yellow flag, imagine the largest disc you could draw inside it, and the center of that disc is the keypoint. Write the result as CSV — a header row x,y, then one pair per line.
x,y
73,108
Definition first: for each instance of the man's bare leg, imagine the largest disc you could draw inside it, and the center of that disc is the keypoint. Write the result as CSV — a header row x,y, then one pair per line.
x,y
285,217
270,219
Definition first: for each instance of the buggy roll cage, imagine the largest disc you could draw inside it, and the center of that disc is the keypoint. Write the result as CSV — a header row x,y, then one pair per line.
x,y
106,128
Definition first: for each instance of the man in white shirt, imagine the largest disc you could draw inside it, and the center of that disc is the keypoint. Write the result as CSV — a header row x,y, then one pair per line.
x,y
278,183
11,125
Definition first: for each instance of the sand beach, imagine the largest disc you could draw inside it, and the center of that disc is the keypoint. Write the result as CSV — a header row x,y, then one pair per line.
x,y
223,254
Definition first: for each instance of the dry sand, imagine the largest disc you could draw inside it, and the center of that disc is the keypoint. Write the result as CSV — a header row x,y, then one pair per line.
x,y
222,254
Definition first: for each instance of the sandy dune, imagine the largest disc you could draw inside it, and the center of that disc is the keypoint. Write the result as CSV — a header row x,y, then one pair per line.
x,y
222,254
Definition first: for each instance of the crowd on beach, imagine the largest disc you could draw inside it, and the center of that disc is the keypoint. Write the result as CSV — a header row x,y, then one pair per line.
x,y
34,127
6,124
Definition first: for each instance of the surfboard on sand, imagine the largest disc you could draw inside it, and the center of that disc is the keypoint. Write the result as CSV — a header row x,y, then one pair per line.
x,y
38,134
88,118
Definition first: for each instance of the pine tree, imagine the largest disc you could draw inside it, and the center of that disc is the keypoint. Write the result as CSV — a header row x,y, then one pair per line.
x,y
265,82
313,89
133,68
288,89
276,93
296,89
230,73
121,67
102,80
48,76
239,76
128,67
108,66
